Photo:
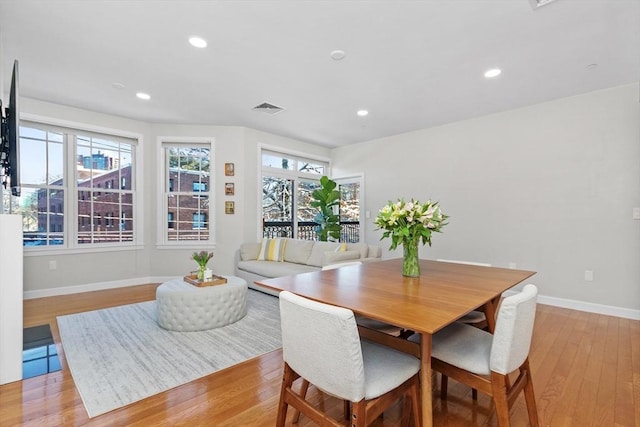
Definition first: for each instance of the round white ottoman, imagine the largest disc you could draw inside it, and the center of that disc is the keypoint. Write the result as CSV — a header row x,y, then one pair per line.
x,y
183,307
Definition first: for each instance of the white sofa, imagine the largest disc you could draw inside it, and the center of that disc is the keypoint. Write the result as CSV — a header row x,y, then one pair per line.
x,y
300,256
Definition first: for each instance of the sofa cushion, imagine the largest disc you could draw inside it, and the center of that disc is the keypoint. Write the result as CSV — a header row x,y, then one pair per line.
x,y
249,251
272,250
317,253
363,248
274,269
340,256
298,251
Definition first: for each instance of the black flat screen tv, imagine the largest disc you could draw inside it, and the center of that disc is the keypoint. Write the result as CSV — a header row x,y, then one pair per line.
x,y
9,148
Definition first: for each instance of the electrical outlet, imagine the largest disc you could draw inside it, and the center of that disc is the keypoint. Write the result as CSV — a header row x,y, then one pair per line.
x,y
636,213
588,275
53,265
512,265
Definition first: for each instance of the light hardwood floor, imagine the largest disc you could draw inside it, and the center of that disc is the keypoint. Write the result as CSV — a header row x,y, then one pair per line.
x,y
586,372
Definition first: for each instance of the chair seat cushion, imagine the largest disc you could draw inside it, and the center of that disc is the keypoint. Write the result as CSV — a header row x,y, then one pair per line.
x,y
463,346
385,368
377,325
473,317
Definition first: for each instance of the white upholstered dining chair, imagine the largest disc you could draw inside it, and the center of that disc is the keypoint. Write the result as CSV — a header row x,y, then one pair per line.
x,y
320,343
483,361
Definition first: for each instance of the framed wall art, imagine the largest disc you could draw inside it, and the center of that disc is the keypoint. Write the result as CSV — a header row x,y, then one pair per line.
x,y
229,169
230,208
229,189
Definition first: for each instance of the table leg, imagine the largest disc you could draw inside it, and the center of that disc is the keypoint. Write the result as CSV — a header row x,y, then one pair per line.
x,y
490,313
426,391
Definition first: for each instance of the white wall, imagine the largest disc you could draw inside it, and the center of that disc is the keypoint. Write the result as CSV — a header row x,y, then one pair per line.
x,y
549,187
89,267
228,148
11,298
236,145
81,271
255,139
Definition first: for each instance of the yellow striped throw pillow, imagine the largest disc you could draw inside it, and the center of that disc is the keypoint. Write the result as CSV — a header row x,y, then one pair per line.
x,y
272,250
342,247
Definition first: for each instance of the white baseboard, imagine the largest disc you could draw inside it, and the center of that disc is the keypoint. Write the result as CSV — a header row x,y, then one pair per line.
x,y
609,310
626,313
100,286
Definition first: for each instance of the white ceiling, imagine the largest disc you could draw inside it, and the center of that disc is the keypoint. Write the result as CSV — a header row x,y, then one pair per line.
x,y
412,64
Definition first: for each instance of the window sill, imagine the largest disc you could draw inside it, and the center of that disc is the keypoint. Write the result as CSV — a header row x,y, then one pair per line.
x,y
190,246
80,250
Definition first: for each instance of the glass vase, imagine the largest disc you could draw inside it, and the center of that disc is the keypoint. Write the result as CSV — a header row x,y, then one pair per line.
x,y
201,270
411,261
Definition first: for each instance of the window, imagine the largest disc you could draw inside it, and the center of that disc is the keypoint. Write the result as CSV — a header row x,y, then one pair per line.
x,y
62,171
108,160
199,186
350,202
287,184
186,176
199,220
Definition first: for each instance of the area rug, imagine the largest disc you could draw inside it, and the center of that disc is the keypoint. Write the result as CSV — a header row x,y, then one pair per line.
x,y
120,355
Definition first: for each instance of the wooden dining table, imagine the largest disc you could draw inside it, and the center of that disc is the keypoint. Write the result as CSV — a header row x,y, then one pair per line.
x,y
443,293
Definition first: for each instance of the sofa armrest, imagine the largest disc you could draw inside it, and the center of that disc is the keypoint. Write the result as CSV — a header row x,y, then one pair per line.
x,y
249,251
374,252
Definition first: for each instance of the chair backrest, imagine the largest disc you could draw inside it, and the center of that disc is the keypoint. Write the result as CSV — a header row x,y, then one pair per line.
x,y
340,264
321,343
514,328
480,264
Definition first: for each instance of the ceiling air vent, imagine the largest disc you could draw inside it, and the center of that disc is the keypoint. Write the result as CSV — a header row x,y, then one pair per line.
x,y
535,4
267,108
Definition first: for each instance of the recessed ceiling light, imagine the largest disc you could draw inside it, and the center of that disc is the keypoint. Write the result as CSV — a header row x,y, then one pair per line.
x,y
197,42
143,95
363,113
338,54
494,72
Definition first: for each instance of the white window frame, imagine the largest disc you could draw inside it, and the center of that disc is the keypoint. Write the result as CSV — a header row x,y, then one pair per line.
x,y
162,242
359,179
285,173
71,245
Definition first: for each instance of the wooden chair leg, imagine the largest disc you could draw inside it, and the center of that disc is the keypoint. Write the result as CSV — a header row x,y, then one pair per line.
x,y
529,396
499,391
358,414
303,392
416,404
406,411
287,380
444,385
346,409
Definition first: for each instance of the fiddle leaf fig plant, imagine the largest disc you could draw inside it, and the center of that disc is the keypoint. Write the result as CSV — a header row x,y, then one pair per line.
x,y
325,199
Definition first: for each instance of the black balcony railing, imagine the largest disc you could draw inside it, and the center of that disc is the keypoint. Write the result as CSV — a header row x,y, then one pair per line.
x,y
350,232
